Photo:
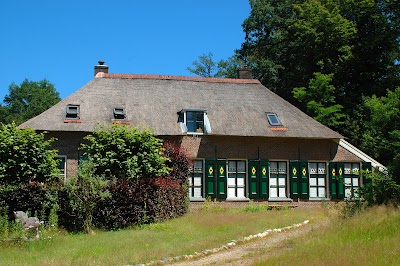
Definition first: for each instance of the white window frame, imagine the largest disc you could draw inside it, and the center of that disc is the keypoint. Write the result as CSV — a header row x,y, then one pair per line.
x,y
310,173
280,197
206,122
190,177
354,189
236,185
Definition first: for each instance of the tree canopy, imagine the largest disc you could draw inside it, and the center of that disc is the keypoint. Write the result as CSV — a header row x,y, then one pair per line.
x,y
27,100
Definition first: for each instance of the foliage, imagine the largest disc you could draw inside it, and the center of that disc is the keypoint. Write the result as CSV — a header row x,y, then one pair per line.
x,y
28,100
178,162
86,191
205,66
320,100
25,156
381,189
141,201
125,152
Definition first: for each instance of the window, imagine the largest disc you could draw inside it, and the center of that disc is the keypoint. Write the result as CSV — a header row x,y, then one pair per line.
x,y
119,113
62,165
273,119
72,111
277,179
194,121
351,179
196,180
236,178
317,180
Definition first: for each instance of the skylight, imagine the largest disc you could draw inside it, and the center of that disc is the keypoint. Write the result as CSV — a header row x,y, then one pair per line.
x,y
273,119
119,113
72,111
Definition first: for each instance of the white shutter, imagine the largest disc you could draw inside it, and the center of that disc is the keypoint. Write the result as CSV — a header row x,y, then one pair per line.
x,y
207,125
183,127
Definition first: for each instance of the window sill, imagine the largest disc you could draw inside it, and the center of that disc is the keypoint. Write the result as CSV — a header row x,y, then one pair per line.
x,y
237,199
197,199
279,199
195,133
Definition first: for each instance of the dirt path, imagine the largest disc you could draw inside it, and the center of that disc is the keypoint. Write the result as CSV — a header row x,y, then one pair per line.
x,y
242,254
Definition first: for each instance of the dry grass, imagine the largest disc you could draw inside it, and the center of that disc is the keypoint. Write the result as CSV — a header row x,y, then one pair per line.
x,y
369,238
185,235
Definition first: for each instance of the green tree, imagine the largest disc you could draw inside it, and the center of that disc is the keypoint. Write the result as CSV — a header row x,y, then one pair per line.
x,y
381,129
319,100
356,41
28,100
125,152
25,156
205,66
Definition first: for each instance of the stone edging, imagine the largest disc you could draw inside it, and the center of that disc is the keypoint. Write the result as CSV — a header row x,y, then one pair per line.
x,y
224,247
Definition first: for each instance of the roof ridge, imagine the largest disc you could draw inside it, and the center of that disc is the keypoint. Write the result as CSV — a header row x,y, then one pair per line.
x,y
183,78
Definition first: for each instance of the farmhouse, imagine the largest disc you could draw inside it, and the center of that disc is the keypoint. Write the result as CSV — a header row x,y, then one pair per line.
x,y
246,142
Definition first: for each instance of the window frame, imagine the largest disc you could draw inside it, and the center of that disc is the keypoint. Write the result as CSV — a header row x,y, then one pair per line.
x,y
63,157
236,174
69,114
191,183
354,189
318,175
205,123
119,115
269,115
278,175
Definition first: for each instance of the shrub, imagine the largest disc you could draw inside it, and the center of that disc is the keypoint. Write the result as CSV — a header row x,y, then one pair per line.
x,y
85,192
125,152
25,156
381,189
179,163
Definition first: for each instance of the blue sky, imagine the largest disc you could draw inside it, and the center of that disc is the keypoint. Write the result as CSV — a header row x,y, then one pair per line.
x,y
61,41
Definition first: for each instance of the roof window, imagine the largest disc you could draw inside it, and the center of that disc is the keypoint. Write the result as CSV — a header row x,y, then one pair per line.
x,y
194,121
119,113
72,111
273,119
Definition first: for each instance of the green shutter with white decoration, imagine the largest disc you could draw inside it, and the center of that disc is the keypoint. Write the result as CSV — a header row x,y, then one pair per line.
x,y
264,179
221,179
340,184
254,178
210,176
367,170
304,182
294,179
333,180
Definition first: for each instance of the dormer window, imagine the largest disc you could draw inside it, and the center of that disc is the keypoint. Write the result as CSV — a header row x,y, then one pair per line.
x,y
194,121
72,111
119,113
273,119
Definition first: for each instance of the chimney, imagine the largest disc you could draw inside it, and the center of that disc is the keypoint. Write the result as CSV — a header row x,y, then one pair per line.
x,y
101,67
244,73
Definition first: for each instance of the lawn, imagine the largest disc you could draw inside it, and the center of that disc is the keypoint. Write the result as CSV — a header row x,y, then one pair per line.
x,y
191,233
369,238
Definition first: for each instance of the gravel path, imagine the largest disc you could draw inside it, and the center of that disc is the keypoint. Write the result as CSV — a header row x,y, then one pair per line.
x,y
242,254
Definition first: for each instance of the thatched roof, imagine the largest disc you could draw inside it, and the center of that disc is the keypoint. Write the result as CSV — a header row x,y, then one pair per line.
x,y
235,107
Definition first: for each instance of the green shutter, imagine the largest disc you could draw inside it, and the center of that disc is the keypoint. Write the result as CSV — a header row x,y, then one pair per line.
x,y
333,180
254,179
210,181
294,179
264,179
367,170
304,180
221,179
340,184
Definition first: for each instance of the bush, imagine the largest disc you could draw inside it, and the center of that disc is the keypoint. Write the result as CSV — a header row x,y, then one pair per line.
x,y
381,189
25,156
125,152
179,163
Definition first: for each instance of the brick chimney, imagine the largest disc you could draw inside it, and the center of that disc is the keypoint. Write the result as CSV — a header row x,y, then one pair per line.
x,y
101,67
244,73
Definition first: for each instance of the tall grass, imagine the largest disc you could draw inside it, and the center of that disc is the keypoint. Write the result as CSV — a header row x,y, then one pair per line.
x,y
368,238
185,235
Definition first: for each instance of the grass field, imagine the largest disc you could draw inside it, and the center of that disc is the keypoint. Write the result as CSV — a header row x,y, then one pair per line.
x,y
369,238
193,232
